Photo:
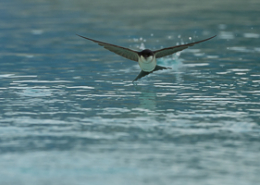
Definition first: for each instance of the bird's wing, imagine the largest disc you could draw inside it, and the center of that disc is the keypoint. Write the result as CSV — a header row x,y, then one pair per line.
x,y
170,50
124,52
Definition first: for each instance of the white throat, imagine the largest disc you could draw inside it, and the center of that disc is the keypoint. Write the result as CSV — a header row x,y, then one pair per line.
x,y
147,64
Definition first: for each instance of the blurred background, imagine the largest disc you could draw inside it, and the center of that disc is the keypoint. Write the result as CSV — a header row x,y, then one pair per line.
x,y
70,114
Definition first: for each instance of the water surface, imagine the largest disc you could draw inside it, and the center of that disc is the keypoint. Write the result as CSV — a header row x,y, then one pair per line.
x,y
70,114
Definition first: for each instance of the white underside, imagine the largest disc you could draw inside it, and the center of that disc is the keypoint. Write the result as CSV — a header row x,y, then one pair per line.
x,y
148,64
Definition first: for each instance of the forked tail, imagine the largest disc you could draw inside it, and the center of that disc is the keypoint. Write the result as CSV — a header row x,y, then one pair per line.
x,y
144,73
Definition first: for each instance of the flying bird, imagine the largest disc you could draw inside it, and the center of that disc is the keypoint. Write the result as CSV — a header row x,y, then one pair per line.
x,y
146,58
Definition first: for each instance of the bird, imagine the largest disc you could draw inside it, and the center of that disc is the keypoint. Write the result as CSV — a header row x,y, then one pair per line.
x,y
145,58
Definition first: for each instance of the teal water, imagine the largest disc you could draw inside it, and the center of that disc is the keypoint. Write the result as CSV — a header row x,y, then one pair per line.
x,y
69,113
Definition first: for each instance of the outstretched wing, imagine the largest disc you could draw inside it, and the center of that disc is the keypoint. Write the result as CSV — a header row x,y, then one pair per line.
x,y
124,52
170,50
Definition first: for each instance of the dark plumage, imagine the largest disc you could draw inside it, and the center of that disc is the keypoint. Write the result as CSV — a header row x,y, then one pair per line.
x,y
145,58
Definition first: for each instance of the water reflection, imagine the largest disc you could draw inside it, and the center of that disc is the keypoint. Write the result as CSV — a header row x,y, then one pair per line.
x,y
146,97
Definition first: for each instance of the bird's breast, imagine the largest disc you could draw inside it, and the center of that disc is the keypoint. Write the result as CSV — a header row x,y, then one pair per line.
x,y
147,64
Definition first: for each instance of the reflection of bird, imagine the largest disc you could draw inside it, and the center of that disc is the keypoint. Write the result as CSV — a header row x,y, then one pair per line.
x,y
145,58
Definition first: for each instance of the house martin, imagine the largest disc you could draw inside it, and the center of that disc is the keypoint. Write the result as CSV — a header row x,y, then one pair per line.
x,y
146,58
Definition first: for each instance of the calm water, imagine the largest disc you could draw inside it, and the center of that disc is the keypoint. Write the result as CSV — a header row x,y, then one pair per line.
x,y
69,113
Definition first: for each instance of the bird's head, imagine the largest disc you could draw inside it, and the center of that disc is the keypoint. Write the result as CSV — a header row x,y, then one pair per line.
x,y
146,53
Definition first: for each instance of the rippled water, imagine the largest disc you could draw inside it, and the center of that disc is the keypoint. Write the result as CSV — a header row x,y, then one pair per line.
x,y
70,114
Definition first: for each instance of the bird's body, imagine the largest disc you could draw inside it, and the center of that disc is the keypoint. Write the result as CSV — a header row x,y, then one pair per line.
x,y
147,61
146,58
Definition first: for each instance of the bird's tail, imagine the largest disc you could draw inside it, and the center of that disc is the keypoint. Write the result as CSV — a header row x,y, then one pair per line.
x,y
144,73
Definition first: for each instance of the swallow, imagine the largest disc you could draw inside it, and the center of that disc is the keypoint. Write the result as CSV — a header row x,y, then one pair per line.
x,y
146,58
